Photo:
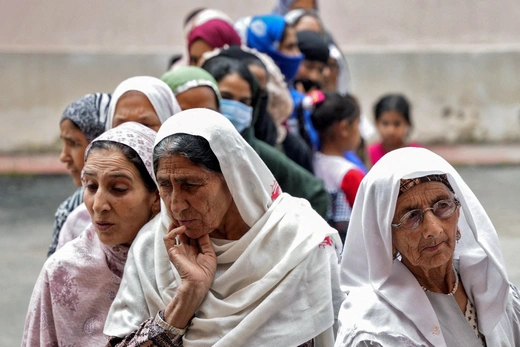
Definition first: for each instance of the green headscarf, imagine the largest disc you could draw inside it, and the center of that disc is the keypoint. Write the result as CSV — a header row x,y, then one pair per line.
x,y
187,77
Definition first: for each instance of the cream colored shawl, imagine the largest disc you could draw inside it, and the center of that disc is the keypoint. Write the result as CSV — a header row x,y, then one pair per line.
x,y
276,286
385,303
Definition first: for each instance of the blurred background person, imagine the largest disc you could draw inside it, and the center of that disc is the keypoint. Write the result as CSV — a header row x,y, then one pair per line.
x,y
392,113
81,122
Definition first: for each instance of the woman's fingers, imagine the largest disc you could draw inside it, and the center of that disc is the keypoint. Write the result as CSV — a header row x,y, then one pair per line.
x,y
205,245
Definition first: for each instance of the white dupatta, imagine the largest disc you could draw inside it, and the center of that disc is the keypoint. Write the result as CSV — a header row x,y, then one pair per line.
x,y
276,286
385,303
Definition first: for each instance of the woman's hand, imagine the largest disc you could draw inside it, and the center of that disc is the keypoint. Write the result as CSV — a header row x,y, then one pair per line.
x,y
196,262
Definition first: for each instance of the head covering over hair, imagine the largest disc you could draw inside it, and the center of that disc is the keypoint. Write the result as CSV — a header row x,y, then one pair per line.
x,y
134,135
189,77
264,33
215,33
159,94
78,283
89,113
200,18
292,17
313,46
381,290
290,248
280,104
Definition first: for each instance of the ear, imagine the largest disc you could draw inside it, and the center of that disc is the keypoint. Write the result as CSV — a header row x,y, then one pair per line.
x,y
156,203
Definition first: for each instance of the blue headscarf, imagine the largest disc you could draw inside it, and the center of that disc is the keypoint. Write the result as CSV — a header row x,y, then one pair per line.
x,y
264,33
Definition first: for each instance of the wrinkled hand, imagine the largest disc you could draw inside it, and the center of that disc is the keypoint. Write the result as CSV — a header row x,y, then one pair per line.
x,y
196,262
194,259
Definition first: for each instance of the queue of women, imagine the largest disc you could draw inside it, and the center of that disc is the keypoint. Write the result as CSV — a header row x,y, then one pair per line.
x,y
230,202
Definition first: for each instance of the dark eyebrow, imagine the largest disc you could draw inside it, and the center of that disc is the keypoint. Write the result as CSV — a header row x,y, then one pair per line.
x,y
112,175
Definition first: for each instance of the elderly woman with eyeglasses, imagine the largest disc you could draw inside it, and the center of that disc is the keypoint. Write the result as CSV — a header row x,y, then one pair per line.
x,y
422,264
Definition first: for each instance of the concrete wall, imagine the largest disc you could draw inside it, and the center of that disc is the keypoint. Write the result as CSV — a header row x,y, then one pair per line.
x,y
456,60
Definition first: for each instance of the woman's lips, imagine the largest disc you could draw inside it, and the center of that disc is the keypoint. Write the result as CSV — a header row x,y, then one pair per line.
x,y
433,248
185,222
103,226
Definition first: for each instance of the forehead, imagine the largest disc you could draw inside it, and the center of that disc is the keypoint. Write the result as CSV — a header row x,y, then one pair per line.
x,y
424,192
198,97
177,164
133,97
108,160
236,82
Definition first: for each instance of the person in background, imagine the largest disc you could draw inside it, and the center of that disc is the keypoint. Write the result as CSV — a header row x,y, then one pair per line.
x,y
81,122
422,263
292,145
270,34
315,57
393,123
204,30
233,261
193,87
78,283
336,119
142,99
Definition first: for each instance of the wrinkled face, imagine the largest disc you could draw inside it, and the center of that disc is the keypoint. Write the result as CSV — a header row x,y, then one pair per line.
x,y
312,70
73,151
194,196
310,23
116,198
393,128
289,45
197,49
134,106
201,96
234,87
432,243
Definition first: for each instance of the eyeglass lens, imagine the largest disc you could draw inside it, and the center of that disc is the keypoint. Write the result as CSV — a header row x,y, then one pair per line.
x,y
441,209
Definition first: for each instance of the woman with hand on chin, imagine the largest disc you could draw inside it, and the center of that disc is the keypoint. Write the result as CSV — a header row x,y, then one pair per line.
x,y
232,260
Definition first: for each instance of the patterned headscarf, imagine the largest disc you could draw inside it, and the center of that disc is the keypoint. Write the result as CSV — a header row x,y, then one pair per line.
x,y
89,113
409,183
159,94
134,135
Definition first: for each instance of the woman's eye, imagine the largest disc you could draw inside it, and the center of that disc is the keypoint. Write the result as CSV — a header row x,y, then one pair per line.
x,y
91,187
120,189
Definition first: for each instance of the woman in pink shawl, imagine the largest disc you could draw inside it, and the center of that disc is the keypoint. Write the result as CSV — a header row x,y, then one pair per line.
x,y
78,283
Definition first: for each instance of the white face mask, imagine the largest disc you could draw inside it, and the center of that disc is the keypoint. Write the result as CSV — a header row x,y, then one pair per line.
x,y
238,113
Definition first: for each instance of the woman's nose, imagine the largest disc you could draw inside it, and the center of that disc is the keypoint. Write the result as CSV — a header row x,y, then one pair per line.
x,y
177,202
431,224
100,202
64,155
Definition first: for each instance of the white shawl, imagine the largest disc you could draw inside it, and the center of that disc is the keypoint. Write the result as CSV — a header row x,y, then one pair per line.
x,y
159,93
385,303
276,286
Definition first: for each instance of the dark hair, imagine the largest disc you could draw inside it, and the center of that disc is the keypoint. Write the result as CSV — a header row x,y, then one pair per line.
x,y
193,147
284,33
335,108
131,155
175,58
393,102
221,66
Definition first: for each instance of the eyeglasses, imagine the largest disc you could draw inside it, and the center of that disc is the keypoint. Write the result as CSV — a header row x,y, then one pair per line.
x,y
441,209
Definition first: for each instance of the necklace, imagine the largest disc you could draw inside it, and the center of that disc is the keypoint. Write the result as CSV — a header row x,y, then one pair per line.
x,y
455,286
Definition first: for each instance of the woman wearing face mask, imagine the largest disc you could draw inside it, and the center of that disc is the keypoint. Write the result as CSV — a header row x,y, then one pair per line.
x,y
240,98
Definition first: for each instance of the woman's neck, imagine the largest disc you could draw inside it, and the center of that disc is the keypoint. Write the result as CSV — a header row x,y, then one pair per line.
x,y
329,148
438,280
388,148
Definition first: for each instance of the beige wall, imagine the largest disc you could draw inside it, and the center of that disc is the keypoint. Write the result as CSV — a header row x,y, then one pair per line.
x,y
456,60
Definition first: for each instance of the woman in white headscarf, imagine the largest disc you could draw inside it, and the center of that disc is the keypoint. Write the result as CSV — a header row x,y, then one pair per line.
x,y
77,284
422,264
143,99
232,261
